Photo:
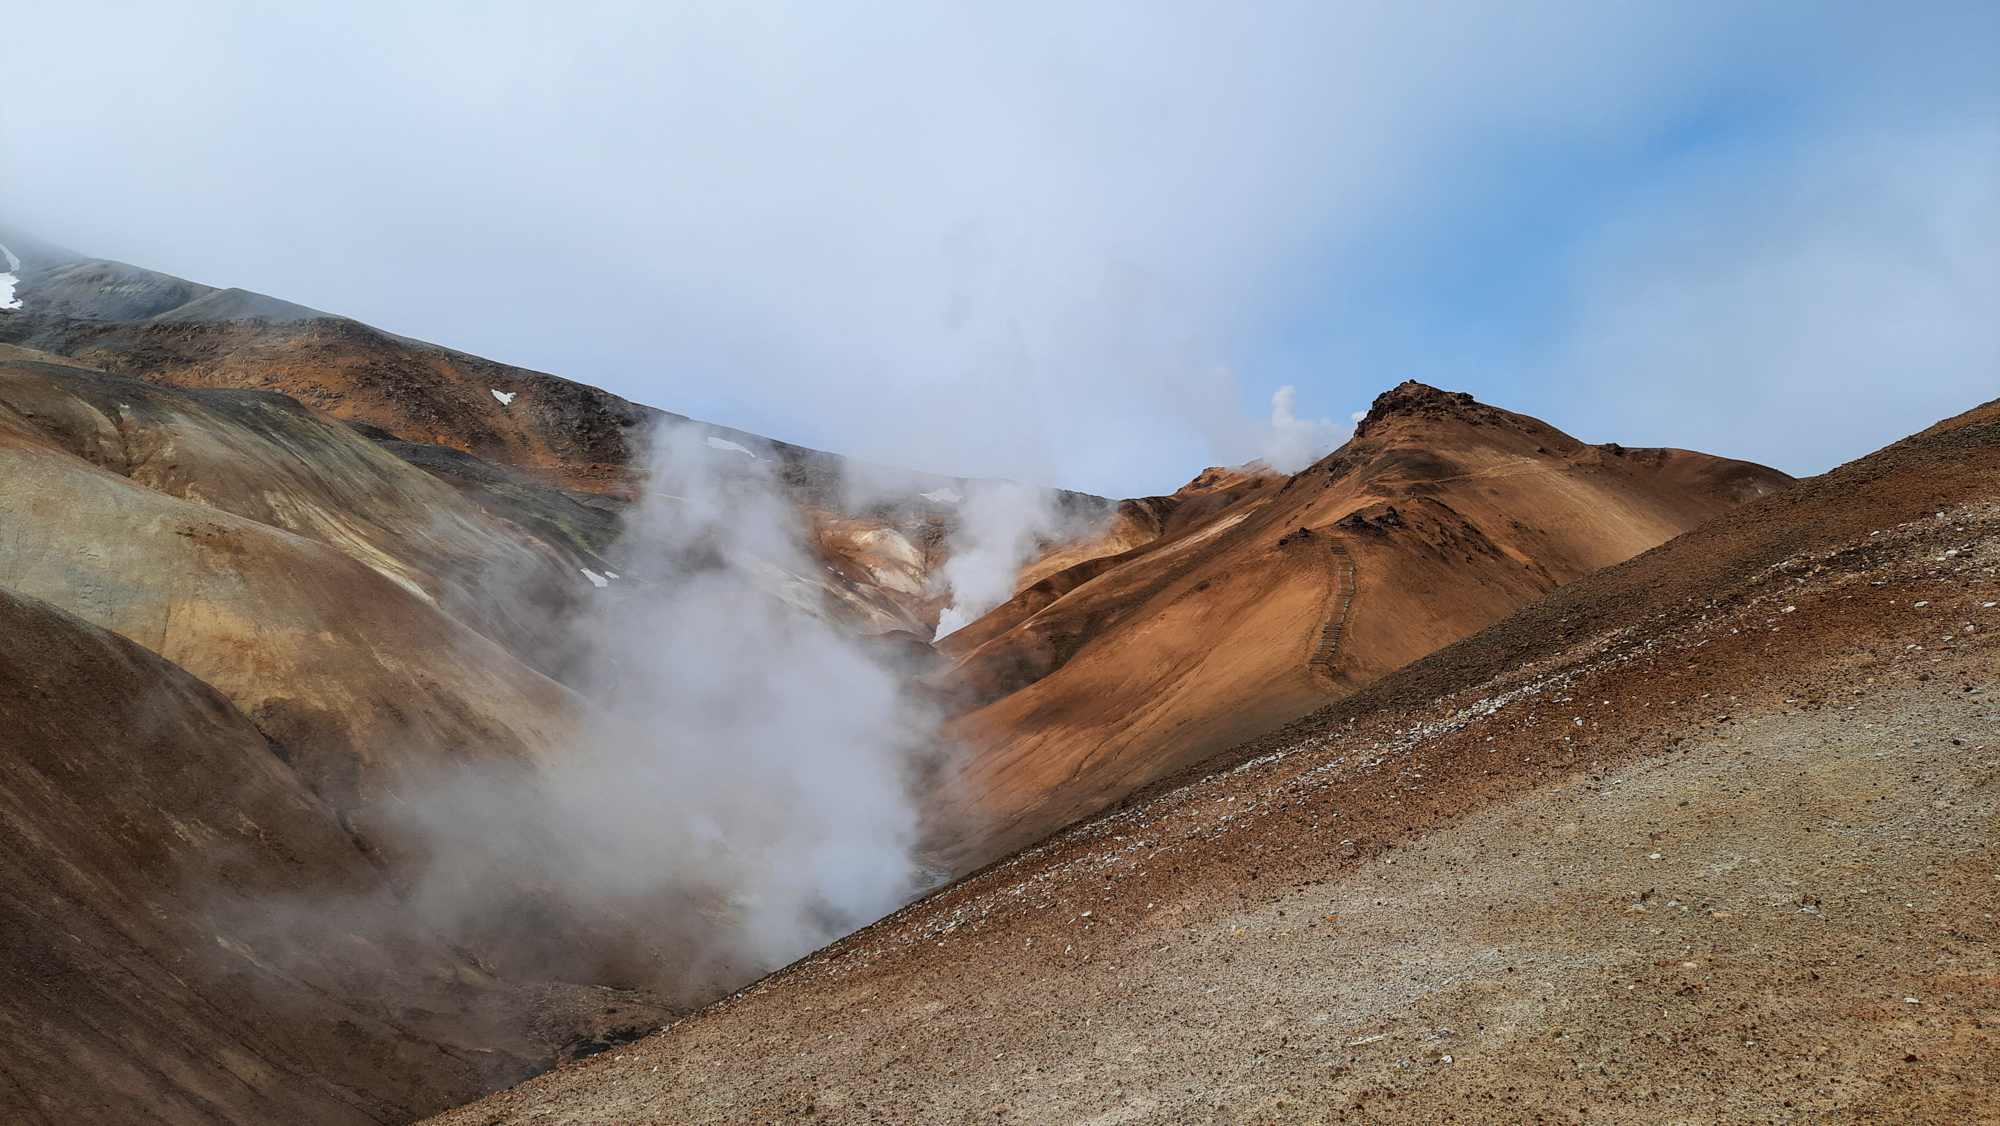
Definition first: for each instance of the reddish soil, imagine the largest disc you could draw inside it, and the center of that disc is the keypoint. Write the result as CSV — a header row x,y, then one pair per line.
x,y
1263,598
566,432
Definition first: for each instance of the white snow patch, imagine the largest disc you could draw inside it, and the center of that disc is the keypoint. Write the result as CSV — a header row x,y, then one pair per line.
x,y
942,496
506,397
715,443
610,574
8,281
596,579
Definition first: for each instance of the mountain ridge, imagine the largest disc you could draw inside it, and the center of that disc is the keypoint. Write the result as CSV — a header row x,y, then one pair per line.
x,y
1264,597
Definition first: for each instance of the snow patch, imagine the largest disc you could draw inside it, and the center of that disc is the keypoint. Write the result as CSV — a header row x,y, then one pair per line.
x,y
942,496
715,443
506,397
8,281
596,579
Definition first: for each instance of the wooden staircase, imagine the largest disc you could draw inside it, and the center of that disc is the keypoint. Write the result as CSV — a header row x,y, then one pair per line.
x,y
1321,660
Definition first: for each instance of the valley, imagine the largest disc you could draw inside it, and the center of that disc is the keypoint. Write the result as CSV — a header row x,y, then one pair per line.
x,y
1288,787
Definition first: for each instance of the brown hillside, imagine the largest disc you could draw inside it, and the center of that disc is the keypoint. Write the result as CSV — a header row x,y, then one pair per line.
x,y
381,612
367,624
1709,836
147,831
553,446
166,329
1262,598
268,459
283,559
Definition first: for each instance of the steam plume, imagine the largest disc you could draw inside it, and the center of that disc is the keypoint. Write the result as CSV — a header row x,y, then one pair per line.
x,y
1293,443
742,797
1000,524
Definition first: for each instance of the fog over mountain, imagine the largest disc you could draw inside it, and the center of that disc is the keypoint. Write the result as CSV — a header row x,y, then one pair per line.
x,y
1076,247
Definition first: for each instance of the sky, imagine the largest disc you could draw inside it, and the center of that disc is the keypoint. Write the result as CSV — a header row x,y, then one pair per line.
x,y
1085,245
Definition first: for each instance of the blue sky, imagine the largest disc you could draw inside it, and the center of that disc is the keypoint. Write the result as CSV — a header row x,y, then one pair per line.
x,y
1080,245
1491,289
1474,287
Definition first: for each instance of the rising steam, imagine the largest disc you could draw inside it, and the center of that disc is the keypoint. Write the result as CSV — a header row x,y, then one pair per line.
x,y
1000,525
741,796
1292,443
779,746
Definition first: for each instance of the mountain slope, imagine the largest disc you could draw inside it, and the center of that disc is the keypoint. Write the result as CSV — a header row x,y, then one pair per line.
x,y
126,318
337,637
384,615
322,588
1705,836
267,459
149,835
1263,598
882,536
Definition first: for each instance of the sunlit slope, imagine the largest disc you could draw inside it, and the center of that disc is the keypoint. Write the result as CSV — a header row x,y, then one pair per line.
x,y
1708,835
1264,597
